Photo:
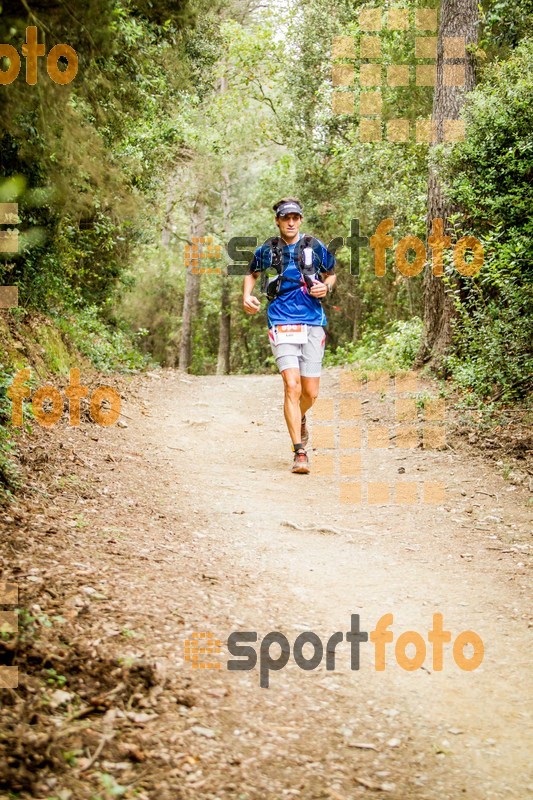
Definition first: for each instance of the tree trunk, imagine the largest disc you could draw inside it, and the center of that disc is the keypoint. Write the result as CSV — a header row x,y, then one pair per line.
x,y
458,19
224,337
356,318
224,330
192,292
166,231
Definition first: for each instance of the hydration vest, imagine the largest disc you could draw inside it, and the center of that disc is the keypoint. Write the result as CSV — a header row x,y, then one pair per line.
x,y
273,280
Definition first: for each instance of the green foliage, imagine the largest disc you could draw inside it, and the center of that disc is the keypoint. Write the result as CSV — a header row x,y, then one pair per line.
x,y
339,178
504,23
153,308
214,106
110,787
490,173
489,177
82,160
109,349
492,354
85,163
54,678
9,474
392,350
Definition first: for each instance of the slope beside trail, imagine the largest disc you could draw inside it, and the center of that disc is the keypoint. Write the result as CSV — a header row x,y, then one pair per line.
x,y
189,520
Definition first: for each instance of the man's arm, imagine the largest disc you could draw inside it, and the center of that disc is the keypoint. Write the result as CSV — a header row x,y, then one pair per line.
x,y
328,282
250,303
326,285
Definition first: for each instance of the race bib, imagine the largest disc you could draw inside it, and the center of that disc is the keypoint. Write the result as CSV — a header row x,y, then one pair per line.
x,y
297,334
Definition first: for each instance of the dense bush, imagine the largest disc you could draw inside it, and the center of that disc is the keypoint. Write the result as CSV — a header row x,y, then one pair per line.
x,y
492,354
490,172
108,348
9,476
85,162
392,350
489,178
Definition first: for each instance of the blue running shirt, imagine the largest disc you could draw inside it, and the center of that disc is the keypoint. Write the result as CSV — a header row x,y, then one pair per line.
x,y
294,305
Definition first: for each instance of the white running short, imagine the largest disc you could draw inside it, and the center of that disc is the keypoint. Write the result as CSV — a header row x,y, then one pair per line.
x,y
306,357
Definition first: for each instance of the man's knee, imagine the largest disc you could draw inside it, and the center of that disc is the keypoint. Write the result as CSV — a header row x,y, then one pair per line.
x,y
293,387
309,393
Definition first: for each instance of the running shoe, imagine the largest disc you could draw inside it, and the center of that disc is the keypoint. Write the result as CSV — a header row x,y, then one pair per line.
x,y
301,462
304,435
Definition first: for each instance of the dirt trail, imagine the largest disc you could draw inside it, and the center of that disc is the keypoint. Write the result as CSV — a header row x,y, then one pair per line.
x,y
184,529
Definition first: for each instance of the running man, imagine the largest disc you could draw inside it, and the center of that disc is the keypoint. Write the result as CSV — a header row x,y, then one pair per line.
x,y
296,319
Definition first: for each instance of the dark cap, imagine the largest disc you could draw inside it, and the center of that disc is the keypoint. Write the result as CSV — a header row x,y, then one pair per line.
x,y
289,208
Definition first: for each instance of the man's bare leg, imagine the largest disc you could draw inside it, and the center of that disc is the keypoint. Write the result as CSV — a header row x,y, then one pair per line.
x,y
291,406
309,393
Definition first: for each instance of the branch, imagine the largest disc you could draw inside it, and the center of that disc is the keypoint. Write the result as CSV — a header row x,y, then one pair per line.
x,y
34,16
82,26
265,97
524,381
271,139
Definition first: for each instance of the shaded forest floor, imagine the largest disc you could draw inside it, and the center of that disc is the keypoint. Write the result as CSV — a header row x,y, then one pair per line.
x,y
130,539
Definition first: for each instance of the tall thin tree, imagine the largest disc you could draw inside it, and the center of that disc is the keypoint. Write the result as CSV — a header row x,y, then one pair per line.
x,y
224,330
192,289
455,77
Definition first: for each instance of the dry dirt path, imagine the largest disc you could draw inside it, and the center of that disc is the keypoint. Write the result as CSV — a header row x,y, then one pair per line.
x,y
186,531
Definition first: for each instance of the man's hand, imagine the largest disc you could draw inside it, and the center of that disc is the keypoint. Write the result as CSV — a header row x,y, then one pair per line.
x,y
318,289
251,304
